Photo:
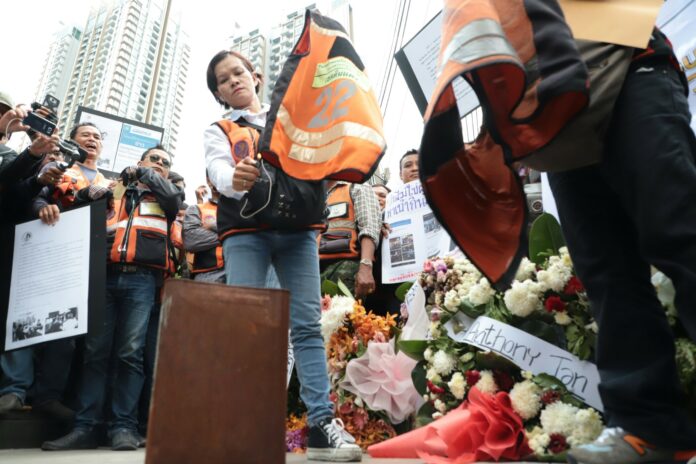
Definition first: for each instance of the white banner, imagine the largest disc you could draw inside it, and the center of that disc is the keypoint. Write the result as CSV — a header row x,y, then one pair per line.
x,y
533,354
415,236
677,20
418,323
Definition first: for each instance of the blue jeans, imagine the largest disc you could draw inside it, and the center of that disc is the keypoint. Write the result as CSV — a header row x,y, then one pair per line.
x,y
248,258
49,373
129,302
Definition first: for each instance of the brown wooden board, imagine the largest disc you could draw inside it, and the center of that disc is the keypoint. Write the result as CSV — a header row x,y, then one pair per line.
x,y
219,390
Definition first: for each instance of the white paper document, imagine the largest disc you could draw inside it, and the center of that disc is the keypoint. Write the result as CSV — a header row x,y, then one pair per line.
x,y
50,280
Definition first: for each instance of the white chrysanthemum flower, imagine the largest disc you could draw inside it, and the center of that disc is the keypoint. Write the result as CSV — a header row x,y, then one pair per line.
x,y
452,301
565,256
438,298
428,354
526,270
437,415
426,397
433,376
523,298
435,329
592,326
527,375
486,383
332,319
559,417
444,363
562,318
466,357
588,426
440,406
525,398
549,279
481,292
457,385
358,402
538,440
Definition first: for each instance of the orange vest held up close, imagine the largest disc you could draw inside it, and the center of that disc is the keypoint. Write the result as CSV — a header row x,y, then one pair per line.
x,y
141,237
521,60
340,241
210,259
324,121
73,181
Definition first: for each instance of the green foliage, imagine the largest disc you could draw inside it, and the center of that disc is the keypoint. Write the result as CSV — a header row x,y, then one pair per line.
x,y
329,288
492,361
344,289
472,311
418,377
551,333
425,415
545,237
402,290
580,341
413,348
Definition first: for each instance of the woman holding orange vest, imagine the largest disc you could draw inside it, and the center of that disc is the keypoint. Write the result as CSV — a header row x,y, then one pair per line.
x,y
251,246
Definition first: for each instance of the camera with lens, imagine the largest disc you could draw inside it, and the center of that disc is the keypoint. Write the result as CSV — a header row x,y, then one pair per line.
x,y
43,124
71,152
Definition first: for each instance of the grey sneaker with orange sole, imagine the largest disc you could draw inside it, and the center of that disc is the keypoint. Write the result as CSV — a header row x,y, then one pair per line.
x,y
616,446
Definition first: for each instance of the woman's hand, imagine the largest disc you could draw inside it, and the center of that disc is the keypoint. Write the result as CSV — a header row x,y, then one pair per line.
x,y
245,174
49,214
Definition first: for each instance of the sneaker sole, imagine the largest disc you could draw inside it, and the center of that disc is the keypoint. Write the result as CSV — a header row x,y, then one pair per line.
x,y
334,454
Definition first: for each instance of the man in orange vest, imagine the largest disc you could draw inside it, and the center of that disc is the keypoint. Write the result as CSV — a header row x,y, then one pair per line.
x,y
347,248
139,258
82,182
201,239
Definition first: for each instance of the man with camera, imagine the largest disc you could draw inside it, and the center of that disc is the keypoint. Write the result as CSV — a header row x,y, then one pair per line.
x,y
140,256
80,182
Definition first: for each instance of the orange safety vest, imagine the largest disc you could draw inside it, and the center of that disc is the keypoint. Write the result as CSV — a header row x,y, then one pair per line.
x,y
73,181
243,142
141,237
326,121
210,259
340,241
521,60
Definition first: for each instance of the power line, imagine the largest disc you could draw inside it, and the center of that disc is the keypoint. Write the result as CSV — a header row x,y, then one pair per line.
x,y
390,57
400,41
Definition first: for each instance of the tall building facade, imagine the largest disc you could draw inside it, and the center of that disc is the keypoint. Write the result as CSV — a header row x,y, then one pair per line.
x,y
115,66
59,64
268,53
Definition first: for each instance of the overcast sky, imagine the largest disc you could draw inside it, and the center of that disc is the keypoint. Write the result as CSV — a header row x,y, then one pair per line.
x,y
28,27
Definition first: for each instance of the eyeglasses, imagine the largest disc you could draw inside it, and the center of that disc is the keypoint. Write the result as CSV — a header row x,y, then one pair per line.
x,y
165,162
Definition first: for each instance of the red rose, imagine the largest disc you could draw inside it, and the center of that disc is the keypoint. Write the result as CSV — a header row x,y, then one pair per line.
x,y
472,377
434,388
573,286
550,396
558,443
503,380
554,303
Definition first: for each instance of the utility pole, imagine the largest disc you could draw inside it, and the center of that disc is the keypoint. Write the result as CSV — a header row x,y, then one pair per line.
x,y
158,64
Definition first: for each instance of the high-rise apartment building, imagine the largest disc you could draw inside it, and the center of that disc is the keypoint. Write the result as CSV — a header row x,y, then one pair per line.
x,y
59,64
268,53
115,66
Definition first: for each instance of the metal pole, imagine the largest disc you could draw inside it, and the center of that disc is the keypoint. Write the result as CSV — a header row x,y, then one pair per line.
x,y
158,64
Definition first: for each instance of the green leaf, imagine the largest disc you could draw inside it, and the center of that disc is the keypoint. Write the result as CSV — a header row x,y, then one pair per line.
x,y
492,361
413,348
471,311
552,333
329,288
342,287
402,290
418,377
425,415
549,382
545,236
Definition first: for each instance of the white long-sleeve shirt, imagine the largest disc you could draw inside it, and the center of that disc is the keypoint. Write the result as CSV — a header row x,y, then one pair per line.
x,y
218,153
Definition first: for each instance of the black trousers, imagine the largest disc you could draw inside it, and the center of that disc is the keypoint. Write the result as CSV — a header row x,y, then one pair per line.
x,y
636,208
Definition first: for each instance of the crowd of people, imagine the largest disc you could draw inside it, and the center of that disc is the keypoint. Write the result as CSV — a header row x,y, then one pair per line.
x,y
153,235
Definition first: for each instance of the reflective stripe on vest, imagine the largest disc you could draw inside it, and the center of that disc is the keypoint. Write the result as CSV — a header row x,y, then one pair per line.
x,y
340,241
521,60
326,122
210,259
73,181
141,236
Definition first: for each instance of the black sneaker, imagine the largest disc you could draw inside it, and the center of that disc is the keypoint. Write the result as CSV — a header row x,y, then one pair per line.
x,y
55,409
125,440
329,441
75,440
10,402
